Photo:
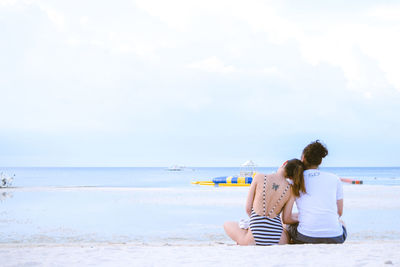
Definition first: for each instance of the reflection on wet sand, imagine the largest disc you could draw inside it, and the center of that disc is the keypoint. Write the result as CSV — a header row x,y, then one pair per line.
x,y
5,195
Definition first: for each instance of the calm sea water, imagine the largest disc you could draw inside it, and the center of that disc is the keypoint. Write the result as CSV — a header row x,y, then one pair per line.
x,y
159,177
149,205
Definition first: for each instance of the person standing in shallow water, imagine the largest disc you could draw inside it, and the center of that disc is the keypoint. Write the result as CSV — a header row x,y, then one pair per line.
x,y
321,206
268,196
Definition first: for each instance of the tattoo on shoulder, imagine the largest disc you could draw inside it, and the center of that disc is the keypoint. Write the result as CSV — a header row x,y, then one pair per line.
x,y
275,186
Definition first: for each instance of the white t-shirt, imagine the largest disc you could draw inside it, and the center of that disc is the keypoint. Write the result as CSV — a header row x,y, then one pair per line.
x,y
317,208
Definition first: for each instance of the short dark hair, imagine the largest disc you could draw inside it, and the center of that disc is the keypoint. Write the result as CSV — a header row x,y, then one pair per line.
x,y
314,153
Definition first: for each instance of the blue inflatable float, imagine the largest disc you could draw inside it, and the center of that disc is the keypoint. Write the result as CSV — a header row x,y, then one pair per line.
x,y
228,181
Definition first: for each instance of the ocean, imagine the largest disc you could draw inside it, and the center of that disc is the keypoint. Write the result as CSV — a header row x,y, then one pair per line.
x,y
152,205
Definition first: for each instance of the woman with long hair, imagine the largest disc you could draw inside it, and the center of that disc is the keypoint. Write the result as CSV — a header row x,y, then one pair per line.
x,y
268,196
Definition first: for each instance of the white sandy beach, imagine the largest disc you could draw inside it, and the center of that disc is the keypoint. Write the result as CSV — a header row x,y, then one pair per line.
x,y
366,249
86,254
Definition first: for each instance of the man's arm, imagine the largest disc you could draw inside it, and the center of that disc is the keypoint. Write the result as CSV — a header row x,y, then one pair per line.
x,y
287,216
340,207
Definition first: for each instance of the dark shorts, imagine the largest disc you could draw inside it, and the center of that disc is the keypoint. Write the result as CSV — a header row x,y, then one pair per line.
x,y
299,238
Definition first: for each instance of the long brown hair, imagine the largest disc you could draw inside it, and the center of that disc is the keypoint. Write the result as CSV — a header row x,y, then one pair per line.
x,y
294,169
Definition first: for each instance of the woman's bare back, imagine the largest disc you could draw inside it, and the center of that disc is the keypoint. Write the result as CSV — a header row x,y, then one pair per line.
x,y
277,193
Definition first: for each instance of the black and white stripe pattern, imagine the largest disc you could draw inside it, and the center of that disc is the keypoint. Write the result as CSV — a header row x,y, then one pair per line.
x,y
266,231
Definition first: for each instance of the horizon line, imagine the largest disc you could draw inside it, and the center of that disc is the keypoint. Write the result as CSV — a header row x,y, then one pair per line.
x,y
186,167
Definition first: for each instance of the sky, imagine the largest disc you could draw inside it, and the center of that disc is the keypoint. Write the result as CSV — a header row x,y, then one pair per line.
x,y
198,83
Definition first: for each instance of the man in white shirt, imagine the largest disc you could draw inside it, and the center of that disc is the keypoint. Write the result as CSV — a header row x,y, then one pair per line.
x,y
322,205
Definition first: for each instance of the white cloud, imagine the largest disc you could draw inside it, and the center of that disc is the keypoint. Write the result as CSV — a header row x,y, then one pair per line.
x,y
261,16
331,41
215,65
176,13
368,95
8,2
334,46
271,71
212,64
382,45
339,46
54,15
84,20
73,41
389,13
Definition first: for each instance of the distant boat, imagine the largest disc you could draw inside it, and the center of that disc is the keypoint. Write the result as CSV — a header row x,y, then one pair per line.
x,y
5,180
176,168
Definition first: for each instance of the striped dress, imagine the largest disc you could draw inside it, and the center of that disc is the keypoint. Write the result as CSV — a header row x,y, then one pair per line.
x,y
267,231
